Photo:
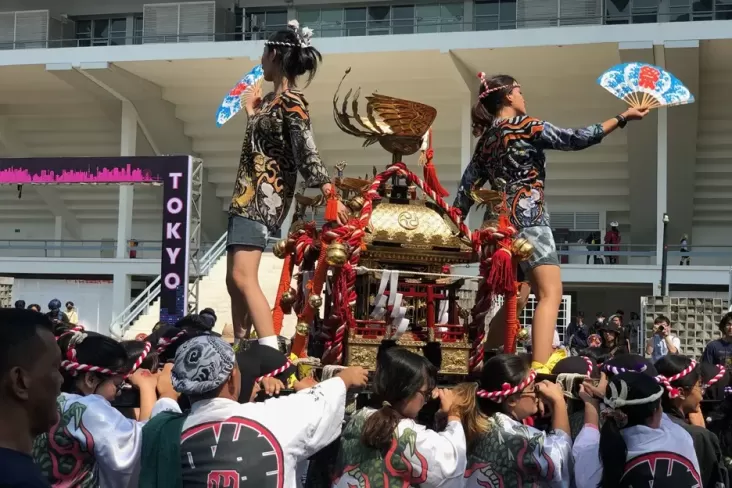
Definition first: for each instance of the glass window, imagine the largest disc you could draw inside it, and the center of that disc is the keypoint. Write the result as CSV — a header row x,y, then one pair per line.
x,y
723,10
355,22
451,17
83,32
378,21
617,12
507,17
137,36
402,19
309,18
428,18
331,23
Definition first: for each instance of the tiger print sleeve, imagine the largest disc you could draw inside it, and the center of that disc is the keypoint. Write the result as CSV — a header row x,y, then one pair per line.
x,y
304,152
552,137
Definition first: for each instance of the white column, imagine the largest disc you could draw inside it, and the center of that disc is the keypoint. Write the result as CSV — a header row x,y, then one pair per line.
x,y
467,146
661,180
128,144
58,235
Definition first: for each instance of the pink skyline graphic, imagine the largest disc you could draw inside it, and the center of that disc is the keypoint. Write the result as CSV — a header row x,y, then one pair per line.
x,y
18,176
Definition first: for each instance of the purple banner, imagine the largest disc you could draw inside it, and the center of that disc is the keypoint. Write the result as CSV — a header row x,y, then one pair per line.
x,y
172,172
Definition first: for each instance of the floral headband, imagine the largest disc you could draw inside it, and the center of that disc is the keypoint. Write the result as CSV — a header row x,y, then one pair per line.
x,y
303,35
487,91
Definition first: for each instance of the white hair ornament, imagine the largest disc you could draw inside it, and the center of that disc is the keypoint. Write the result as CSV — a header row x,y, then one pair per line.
x,y
304,36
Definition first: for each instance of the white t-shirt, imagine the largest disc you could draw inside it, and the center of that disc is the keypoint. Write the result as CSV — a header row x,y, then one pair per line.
x,y
660,348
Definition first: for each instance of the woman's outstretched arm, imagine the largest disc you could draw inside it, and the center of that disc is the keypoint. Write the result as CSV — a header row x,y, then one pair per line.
x,y
476,171
553,137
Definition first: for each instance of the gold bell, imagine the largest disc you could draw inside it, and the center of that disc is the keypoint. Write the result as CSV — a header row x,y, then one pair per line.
x,y
302,328
336,254
356,203
316,301
280,249
522,249
522,335
289,297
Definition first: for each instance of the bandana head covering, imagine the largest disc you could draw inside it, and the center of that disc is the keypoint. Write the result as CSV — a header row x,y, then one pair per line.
x,y
202,364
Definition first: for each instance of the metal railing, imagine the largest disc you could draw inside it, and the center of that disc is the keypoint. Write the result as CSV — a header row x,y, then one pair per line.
x,y
365,27
583,253
142,302
50,248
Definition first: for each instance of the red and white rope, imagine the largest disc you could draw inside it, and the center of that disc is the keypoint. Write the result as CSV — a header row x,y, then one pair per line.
x,y
140,359
717,377
674,392
164,342
75,368
589,364
76,328
276,372
506,389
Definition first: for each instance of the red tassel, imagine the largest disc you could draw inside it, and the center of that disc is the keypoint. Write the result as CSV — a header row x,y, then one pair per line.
x,y
331,208
430,177
502,276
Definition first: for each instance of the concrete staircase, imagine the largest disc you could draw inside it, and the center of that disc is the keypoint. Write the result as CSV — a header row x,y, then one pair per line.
x,y
213,294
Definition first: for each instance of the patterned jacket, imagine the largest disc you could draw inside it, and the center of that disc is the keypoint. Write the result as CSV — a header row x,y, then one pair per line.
x,y
278,143
513,150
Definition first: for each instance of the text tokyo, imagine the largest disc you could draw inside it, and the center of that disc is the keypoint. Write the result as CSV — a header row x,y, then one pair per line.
x,y
174,206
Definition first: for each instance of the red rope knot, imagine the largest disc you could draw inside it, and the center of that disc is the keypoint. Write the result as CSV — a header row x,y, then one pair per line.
x,y
674,392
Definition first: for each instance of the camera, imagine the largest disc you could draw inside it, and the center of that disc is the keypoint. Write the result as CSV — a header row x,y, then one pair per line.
x,y
661,329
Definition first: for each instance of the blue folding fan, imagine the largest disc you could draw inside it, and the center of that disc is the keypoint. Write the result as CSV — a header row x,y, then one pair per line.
x,y
645,86
232,103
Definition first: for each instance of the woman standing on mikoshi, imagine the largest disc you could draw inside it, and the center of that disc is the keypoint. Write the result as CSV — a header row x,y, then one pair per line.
x,y
511,148
278,143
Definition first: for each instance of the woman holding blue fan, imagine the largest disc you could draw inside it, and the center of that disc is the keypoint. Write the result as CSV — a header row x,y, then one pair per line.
x,y
510,152
278,143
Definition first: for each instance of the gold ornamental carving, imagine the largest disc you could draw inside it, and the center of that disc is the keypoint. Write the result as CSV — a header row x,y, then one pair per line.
x,y
408,220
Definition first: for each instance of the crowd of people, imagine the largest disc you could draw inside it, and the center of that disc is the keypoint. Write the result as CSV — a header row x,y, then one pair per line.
x,y
184,408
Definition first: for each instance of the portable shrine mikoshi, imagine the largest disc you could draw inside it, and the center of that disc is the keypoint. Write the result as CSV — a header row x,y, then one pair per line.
x,y
386,274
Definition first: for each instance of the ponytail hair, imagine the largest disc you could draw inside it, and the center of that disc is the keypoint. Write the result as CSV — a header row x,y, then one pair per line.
x,y
492,94
632,399
400,374
293,53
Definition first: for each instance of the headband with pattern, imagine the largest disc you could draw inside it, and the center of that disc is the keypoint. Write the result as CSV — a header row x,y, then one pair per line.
x,y
303,35
607,368
506,389
617,400
674,392
720,374
487,91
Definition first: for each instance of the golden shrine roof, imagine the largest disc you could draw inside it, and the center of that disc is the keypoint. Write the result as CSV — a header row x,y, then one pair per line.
x,y
416,226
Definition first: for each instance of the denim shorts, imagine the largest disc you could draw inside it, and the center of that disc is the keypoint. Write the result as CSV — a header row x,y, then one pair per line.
x,y
246,232
545,250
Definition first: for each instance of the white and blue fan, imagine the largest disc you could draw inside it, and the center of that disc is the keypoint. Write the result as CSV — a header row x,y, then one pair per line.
x,y
645,86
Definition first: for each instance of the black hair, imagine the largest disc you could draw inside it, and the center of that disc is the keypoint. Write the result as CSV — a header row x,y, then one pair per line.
x,y
95,350
577,365
20,304
70,303
634,316
486,108
190,327
672,364
613,450
726,318
34,306
500,369
293,58
256,361
625,363
19,330
134,351
400,374
195,322
660,319
597,354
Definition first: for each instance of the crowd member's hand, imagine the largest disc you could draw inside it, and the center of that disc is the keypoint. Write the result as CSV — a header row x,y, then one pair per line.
x,y
447,398
588,394
343,213
354,377
550,392
165,383
272,386
305,383
143,379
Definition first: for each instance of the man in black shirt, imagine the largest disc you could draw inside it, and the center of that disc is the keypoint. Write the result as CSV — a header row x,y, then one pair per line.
x,y
30,381
719,351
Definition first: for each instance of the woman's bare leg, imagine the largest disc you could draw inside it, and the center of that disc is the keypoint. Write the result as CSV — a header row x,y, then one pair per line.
x,y
243,280
238,305
497,328
547,283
